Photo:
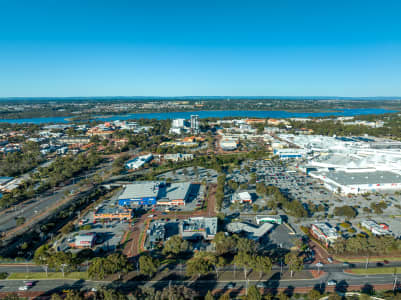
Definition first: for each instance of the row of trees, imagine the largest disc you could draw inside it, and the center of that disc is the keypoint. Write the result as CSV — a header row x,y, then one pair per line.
x,y
221,180
292,207
115,263
367,245
62,169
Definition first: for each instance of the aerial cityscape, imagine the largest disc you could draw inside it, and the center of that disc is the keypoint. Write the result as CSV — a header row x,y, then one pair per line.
x,y
172,150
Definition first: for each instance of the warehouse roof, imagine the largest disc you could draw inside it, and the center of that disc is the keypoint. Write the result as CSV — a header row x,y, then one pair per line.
x,y
141,189
176,191
359,178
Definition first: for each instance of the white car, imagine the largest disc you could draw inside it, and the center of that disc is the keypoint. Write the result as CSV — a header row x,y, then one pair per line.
x,y
319,264
331,282
23,288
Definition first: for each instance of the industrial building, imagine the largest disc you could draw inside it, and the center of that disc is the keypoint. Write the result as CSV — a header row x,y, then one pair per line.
x,y
175,194
274,219
155,192
112,213
359,181
199,227
324,232
251,231
139,161
376,229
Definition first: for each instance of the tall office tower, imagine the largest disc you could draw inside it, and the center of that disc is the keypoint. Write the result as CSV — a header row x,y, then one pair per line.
x,y
195,124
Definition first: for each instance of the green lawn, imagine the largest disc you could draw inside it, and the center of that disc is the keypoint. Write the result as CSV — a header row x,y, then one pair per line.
x,y
51,275
363,259
370,271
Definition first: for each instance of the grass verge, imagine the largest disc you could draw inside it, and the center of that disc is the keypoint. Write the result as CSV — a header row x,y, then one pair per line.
x,y
363,259
371,271
51,275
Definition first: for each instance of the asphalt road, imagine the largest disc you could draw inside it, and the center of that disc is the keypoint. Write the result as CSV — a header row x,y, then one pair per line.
x,y
328,268
39,204
344,281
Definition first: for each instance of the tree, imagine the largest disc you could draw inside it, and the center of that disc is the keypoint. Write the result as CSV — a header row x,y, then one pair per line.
x,y
314,295
56,297
118,264
209,296
347,211
20,221
67,228
109,294
294,262
224,297
244,260
263,264
224,244
175,245
246,245
282,296
253,293
335,296
201,264
148,265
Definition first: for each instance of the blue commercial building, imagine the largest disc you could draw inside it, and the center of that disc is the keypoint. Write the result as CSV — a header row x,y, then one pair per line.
x,y
140,193
137,201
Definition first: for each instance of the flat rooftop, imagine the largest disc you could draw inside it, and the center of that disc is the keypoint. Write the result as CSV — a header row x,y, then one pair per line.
x,y
141,189
176,191
359,178
111,210
4,180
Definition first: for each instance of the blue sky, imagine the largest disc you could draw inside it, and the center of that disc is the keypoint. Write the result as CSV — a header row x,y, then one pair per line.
x,y
179,48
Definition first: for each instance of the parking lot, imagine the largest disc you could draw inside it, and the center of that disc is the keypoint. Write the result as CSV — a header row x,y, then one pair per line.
x,y
296,185
108,234
192,174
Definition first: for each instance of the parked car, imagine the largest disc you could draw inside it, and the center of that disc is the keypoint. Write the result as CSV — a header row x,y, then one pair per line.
x,y
331,282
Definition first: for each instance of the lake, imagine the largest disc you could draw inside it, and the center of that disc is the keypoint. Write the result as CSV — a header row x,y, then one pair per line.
x,y
213,114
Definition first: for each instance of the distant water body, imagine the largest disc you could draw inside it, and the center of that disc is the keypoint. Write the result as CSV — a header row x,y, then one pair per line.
x,y
212,114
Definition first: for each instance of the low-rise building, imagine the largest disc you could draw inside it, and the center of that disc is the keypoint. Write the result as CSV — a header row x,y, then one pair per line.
x,y
199,227
179,156
274,219
241,197
156,232
155,192
376,229
324,233
174,194
69,140
138,162
228,144
86,240
252,232
286,153
112,213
